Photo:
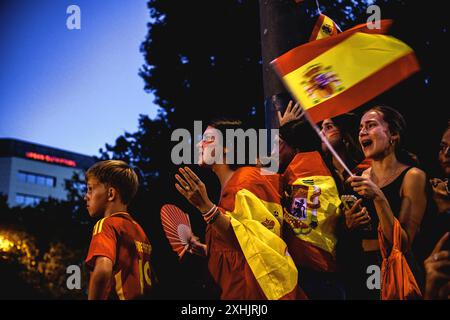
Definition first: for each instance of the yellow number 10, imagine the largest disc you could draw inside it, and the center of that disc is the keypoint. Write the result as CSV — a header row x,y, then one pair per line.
x,y
144,274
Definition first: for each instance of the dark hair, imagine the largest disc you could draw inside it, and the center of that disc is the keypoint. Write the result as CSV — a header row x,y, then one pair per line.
x,y
300,135
117,174
348,125
397,125
446,128
224,124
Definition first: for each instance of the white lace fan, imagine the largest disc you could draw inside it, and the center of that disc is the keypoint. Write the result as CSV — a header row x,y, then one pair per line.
x,y
177,227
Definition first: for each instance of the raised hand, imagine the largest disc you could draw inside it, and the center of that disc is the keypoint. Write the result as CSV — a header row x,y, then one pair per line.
x,y
440,194
193,189
437,267
293,112
365,187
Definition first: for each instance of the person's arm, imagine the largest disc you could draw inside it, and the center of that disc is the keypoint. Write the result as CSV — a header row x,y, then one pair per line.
x,y
194,190
440,195
100,279
412,207
437,284
414,202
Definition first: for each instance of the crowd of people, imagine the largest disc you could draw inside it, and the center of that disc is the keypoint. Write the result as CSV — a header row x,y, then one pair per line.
x,y
312,230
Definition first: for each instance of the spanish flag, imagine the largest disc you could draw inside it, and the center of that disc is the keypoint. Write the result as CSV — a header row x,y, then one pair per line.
x,y
311,212
251,262
324,28
335,75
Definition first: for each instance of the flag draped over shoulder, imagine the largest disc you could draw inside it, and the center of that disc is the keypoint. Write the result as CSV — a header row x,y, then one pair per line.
x,y
324,28
335,75
312,212
253,205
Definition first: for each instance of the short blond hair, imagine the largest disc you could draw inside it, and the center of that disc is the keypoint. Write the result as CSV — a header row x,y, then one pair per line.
x,y
117,174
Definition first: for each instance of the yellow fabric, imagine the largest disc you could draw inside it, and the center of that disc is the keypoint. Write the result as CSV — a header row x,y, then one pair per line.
x,y
119,289
322,236
345,64
326,22
264,250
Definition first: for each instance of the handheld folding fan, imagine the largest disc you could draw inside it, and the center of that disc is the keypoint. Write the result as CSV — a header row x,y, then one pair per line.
x,y
177,227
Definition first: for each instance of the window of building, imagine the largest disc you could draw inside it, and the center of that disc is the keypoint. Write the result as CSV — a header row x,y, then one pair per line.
x,y
22,176
27,199
34,178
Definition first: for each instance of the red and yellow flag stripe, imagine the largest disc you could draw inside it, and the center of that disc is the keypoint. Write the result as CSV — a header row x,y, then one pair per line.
x,y
334,75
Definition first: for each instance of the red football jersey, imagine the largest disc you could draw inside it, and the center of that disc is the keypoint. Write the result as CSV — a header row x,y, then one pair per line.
x,y
121,239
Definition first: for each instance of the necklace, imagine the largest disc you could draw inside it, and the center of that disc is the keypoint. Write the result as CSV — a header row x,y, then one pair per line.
x,y
383,183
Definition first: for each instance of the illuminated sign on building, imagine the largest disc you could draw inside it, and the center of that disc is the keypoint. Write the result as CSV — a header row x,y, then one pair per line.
x,y
50,159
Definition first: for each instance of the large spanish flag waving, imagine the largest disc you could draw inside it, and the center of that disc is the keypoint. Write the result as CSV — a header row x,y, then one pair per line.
x,y
334,75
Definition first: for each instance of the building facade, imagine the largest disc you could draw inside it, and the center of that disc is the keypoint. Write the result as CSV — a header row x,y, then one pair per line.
x,y
31,172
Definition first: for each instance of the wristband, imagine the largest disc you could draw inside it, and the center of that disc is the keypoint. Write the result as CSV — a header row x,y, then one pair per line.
x,y
214,217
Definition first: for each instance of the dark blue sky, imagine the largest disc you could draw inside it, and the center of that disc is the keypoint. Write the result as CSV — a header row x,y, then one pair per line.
x,y
72,89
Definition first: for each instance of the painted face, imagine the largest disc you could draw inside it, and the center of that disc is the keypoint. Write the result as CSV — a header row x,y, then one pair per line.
x,y
444,153
208,146
96,197
331,132
374,135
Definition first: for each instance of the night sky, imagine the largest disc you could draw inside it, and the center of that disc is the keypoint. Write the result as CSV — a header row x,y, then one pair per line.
x,y
72,89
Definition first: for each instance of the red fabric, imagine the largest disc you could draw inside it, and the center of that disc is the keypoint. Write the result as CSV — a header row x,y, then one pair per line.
x,y
264,187
397,280
317,27
229,268
307,255
364,165
305,164
117,241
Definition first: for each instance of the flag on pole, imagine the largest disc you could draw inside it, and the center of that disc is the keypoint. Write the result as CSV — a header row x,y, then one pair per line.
x,y
335,75
324,28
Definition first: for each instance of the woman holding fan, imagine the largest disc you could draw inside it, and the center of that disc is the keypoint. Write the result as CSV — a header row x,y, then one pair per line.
x,y
246,256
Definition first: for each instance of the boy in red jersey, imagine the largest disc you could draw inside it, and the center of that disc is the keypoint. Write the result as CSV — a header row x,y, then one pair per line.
x,y
119,253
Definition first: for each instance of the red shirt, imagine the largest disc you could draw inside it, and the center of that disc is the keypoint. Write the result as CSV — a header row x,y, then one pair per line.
x,y
121,239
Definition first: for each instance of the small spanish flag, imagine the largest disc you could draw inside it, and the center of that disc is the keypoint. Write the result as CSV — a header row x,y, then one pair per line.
x,y
335,75
324,28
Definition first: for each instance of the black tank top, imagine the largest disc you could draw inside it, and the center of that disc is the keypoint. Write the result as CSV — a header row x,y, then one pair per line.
x,y
392,194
